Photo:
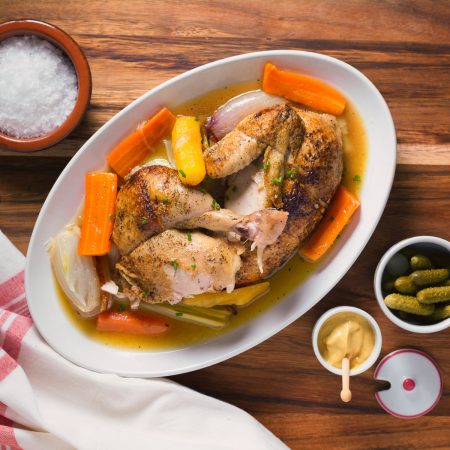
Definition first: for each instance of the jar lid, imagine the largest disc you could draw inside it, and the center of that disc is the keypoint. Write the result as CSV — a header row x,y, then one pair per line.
x,y
415,383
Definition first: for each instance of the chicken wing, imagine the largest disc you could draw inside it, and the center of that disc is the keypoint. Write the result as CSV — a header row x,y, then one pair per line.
x,y
275,131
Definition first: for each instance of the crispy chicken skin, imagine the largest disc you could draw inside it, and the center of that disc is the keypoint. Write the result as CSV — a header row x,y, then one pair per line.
x,y
154,199
169,266
275,131
316,171
303,153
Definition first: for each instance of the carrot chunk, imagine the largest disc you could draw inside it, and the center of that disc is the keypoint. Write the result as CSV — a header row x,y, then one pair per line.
x,y
135,147
303,89
130,322
337,216
100,198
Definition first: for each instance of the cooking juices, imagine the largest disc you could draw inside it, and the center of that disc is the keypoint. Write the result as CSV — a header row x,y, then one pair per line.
x,y
182,334
346,334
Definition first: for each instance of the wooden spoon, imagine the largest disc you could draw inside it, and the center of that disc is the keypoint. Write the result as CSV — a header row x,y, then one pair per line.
x,y
346,394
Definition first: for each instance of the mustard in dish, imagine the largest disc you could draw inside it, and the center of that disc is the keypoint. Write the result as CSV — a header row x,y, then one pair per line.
x,y
346,334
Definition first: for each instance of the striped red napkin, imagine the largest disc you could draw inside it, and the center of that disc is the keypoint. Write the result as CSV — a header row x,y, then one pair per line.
x,y
49,403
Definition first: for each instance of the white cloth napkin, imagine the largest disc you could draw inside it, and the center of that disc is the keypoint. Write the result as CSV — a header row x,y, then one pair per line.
x,y
49,403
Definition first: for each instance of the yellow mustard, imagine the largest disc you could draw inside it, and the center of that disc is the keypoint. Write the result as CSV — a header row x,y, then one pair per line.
x,y
346,334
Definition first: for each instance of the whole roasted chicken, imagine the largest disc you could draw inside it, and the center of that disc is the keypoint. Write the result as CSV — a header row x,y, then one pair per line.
x,y
282,167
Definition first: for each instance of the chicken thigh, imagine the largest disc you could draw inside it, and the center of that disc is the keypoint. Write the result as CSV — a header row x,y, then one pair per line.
x,y
174,265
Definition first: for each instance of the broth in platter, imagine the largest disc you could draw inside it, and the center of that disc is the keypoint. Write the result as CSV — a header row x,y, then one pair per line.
x,y
182,334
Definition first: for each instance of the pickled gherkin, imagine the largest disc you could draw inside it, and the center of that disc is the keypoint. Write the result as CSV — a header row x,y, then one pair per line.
x,y
434,294
389,286
409,304
420,262
405,285
441,313
429,277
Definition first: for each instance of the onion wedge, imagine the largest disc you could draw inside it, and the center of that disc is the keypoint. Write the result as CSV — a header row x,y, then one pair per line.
x,y
76,274
234,110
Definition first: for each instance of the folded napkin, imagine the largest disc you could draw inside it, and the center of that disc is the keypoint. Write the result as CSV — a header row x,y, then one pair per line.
x,y
49,403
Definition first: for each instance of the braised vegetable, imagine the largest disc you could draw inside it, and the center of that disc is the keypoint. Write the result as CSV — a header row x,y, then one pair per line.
x,y
208,317
337,216
75,274
408,304
97,222
303,89
130,322
187,150
434,294
420,262
405,285
132,150
429,277
239,297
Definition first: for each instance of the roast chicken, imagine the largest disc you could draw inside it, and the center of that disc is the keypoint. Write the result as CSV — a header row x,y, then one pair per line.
x,y
154,199
282,166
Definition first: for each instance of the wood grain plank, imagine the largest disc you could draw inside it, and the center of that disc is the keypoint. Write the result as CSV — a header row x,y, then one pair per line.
x,y
127,61
384,21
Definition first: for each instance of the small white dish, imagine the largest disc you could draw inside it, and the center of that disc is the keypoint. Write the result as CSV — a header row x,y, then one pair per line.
x,y
369,362
66,197
422,244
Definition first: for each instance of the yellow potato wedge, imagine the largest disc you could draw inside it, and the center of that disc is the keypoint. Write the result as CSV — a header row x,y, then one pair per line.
x,y
187,150
239,297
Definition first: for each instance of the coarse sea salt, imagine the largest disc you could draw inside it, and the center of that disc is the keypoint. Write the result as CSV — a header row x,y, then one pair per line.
x,y
38,87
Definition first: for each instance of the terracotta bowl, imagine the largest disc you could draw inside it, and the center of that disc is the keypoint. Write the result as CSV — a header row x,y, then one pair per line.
x,y
79,61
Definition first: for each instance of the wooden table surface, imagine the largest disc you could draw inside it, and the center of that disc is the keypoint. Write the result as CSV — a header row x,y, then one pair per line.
x,y
403,47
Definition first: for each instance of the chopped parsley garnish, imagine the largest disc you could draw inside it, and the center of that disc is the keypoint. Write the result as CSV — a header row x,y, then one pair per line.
x,y
146,293
234,188
144,220
122,307
215,205
189,236
357,178
175,264
165,200
110,217
178,314
278,180
197,119
193,266
203,190
266,165
291,173
331,218
182,173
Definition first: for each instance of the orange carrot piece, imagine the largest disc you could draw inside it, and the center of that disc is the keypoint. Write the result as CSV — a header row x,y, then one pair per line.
x,y
303,89
337,216
135,147
130,322
97,222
